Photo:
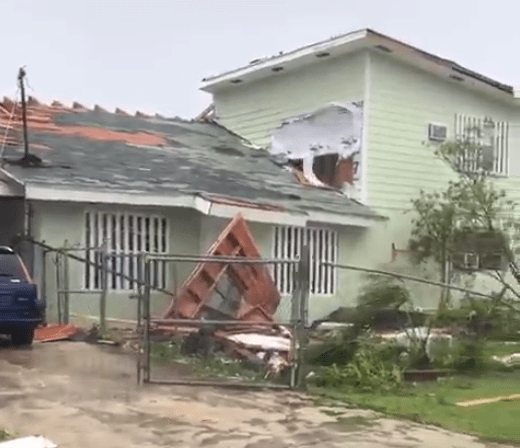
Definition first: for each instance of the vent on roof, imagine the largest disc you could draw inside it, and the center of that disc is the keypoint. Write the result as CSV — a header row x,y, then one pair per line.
x,y
323,54
277,69
383,48
236,81
228,151
437,132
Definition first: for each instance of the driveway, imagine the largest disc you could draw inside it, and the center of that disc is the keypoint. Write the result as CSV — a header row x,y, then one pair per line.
x,y
81,395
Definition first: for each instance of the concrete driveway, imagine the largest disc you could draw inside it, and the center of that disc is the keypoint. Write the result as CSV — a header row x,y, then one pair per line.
x,y
81,395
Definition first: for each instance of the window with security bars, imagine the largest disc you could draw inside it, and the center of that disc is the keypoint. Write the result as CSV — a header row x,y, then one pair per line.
x,y
124,233
323,243
490,140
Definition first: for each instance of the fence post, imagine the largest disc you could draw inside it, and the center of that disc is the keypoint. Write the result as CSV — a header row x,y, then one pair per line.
x,y
104,287
140,334
303,303
147,317
58,286
66,285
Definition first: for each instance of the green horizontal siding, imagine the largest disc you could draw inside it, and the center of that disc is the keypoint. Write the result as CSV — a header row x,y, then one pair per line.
x,y
403,101
255,109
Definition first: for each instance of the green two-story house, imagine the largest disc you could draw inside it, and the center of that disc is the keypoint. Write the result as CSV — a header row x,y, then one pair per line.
x,y
407,102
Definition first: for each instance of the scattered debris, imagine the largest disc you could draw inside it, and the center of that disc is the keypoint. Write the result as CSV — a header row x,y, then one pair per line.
x,y
509,360
436,338
488,400
225,291
28,442
55,332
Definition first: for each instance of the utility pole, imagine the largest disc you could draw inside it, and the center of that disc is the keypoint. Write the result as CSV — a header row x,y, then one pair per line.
x,y
21,76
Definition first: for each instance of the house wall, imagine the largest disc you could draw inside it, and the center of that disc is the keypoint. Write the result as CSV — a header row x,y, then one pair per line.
x,y
12,218
401,160
253,110
353,243
400,102
55,223
403,101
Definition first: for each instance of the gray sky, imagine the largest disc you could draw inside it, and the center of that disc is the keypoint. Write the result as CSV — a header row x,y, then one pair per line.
x,y
150,55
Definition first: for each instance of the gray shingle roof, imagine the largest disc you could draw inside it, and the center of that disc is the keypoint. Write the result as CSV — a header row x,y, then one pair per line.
x,y
198,159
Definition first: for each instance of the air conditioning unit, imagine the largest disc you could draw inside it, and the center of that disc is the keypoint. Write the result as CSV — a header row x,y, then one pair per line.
x,y
437,132
471,261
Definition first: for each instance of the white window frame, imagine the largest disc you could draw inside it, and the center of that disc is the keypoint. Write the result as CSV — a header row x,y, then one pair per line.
x,y
499,140
323,246
134,233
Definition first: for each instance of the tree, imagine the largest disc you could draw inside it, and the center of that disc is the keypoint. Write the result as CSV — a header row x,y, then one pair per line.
x,y
470,204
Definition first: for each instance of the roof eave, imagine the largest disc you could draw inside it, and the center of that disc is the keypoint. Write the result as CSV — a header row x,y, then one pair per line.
x,y
38,192
365,38
209,83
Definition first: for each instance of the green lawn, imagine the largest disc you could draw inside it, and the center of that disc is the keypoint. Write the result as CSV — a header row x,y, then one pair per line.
x,y
434,402
502,348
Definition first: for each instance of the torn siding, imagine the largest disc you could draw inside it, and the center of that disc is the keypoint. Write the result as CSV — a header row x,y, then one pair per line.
x,y
335,130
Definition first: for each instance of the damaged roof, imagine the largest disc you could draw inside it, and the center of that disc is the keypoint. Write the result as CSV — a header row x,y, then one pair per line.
x,y
96,151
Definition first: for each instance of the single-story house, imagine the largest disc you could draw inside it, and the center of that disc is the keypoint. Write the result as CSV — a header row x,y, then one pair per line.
x,y
149,183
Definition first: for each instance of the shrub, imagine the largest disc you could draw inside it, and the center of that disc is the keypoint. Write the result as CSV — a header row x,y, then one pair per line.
x,y
373,368
383,292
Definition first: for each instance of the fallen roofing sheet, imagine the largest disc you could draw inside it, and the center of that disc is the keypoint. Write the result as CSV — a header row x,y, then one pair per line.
x,y
237,291
261,341
55,332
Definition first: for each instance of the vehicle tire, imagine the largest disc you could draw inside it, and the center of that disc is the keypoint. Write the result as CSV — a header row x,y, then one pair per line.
x,y
23,337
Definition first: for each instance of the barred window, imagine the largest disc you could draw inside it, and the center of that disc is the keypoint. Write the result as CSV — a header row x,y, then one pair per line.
x,y
492,139
323,243
124,233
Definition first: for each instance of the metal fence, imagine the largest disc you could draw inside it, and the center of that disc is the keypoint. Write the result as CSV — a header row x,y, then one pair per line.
x,y
152,339
150,370
103,262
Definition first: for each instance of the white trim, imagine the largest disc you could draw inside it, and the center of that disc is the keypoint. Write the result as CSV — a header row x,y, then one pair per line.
x,y
14,188
366,129
363,39
212,81
204,206
43,193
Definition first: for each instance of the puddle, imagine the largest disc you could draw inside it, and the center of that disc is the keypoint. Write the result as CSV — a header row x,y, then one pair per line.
x,y
160,423
256,422
351,424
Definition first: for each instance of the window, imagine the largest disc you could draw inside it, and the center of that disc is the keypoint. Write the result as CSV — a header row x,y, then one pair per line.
x,y
125,233
323,243
491,138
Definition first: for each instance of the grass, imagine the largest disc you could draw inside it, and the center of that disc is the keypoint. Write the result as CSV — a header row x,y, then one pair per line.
x,y
501,348
4,435
435,403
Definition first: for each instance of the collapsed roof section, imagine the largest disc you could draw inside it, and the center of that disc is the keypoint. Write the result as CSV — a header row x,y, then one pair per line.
x,y
97,156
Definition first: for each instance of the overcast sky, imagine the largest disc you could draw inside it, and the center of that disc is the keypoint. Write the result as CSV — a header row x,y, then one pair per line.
x,y
151,55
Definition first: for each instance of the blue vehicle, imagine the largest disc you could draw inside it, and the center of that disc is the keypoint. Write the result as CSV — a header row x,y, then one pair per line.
x,y
20,310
